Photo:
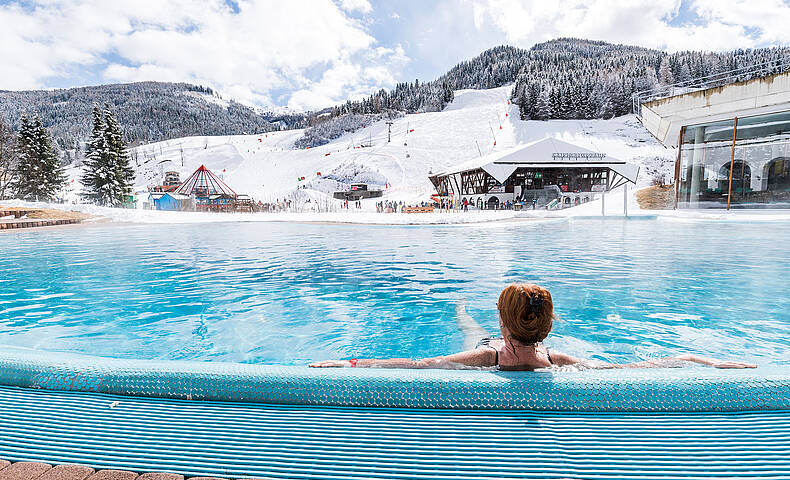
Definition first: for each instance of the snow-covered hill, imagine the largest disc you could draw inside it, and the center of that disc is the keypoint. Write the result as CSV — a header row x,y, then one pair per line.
x,y
477,122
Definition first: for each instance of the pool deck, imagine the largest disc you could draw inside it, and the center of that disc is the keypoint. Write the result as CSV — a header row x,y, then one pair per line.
x,y
16,218
45,471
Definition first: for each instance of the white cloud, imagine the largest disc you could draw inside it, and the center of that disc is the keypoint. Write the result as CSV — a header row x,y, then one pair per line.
x,y
648,23
356,5
769,17
351,81
268,46
315,53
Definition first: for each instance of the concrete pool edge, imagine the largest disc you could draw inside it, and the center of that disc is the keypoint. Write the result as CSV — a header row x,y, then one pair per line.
x,y
653,390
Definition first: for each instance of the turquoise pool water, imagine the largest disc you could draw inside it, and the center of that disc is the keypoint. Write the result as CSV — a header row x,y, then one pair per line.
x,y
290,293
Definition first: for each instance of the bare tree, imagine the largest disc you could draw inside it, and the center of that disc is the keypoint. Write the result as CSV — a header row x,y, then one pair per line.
x,y
7,157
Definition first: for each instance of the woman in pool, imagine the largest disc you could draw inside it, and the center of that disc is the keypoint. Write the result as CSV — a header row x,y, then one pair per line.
x,y
526,315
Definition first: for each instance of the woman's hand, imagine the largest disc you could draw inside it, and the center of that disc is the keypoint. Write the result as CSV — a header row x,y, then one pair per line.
x,y
331,364
714,362
727,364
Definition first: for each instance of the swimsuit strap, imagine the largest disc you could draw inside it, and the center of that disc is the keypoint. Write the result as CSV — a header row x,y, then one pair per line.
x,y
549,356
486,342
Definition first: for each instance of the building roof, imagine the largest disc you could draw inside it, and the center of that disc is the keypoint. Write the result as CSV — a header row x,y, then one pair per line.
x,y
665,116
544,153
203,182
159,195
164,188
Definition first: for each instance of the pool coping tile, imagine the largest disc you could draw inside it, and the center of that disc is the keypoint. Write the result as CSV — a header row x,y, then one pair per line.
x,y
24,470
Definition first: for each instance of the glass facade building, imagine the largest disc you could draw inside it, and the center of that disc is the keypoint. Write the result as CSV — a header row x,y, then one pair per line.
x,y
743,162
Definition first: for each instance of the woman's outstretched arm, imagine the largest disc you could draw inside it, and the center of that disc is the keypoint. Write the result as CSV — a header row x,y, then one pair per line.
x,y
561,359
481,357
688,357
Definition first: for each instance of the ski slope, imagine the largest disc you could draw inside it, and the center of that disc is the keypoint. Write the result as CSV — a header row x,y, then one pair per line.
x,y
477,122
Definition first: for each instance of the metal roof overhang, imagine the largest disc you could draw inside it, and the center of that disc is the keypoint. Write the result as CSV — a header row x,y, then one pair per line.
x,y
502,171
627,170
664,117
541,154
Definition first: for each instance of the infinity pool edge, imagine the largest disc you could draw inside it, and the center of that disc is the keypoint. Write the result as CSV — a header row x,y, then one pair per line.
x,y
643,390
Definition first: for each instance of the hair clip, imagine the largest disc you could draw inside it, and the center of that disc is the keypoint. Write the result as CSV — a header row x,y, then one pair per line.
x,y
535,300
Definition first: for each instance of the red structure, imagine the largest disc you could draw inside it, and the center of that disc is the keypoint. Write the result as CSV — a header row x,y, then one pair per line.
x,y
209,191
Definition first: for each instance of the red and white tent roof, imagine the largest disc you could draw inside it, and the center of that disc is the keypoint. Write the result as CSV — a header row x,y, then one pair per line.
x,y
204,183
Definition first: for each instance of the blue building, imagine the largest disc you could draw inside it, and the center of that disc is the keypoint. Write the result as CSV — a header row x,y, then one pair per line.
x,y
169,201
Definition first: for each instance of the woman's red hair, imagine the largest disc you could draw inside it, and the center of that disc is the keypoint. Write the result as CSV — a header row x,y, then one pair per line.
x,y
527,311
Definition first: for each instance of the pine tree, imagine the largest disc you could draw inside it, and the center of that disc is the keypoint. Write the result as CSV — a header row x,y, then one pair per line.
x,y
96,173
665,72
25,167
554,103
523,107
53,177
543,106
566,105
108,176
592,102
7,157
38,174
122,169
532,98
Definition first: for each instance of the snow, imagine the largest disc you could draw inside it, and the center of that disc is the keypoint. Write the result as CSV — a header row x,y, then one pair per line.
x,y
208,98
350,216
614,208
477,122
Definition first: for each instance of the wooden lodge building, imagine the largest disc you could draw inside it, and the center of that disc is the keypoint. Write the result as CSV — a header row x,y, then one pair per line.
x,y
549,172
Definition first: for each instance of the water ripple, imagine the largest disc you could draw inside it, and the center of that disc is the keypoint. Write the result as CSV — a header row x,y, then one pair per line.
x,y
280,293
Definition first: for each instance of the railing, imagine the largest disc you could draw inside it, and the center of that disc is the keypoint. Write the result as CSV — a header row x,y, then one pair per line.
x,y
709,81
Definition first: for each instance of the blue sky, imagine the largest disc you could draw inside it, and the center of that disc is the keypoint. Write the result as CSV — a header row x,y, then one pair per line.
x,y
307,54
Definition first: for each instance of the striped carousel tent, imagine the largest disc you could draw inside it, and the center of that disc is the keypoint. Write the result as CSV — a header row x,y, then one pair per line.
x,y
209,191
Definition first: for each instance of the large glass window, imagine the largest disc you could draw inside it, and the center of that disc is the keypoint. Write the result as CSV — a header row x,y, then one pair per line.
x,y
703,154
754,173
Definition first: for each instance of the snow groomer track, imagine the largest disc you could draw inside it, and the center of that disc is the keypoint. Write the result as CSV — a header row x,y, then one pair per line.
x,y
234,420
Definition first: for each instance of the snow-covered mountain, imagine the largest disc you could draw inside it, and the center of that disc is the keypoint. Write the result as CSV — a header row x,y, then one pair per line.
x,y
477,122
148,111
565,78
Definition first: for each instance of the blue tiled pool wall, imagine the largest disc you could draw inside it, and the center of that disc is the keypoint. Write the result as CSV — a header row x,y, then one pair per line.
x,y
653,390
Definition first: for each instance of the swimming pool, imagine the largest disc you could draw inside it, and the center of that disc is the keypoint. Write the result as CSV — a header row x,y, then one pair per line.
x,y
277,293
183,349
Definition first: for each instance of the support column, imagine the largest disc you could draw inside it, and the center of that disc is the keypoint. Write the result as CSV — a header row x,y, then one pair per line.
x,y
603,203
678,166
625,199
759,180
697,166
732,161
